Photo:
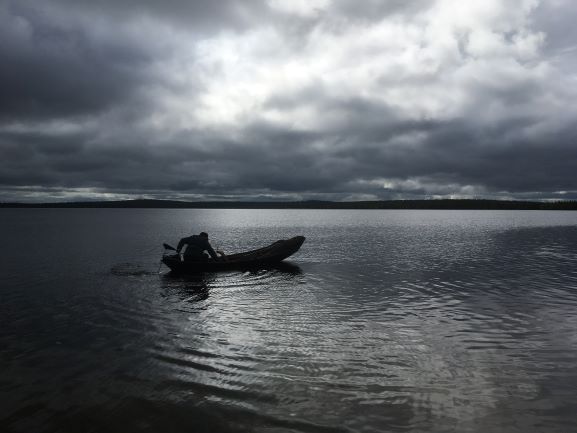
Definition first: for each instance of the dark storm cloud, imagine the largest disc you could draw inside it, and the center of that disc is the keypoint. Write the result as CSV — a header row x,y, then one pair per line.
x,y
51,69
457,152
272,165
376,9
284,162
197,15
454,154
257,99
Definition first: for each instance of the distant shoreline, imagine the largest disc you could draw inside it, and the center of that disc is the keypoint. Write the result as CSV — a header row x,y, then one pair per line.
x,y
385,204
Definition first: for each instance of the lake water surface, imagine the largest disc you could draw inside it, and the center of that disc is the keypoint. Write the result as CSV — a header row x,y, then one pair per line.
x,y
389,321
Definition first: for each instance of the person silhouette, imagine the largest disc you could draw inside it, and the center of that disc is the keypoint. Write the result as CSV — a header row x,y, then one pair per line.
x,y
196,245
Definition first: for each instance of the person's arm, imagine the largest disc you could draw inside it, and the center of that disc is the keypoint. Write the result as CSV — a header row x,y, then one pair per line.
x,y
211,251
180,245
222,255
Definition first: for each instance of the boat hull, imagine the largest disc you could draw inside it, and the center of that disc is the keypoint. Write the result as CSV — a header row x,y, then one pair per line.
x,y
262,257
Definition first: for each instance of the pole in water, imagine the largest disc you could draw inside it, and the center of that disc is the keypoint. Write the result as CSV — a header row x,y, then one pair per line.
x,y
159,266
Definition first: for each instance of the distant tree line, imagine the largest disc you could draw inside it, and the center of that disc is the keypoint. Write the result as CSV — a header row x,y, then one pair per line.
x,y
471,204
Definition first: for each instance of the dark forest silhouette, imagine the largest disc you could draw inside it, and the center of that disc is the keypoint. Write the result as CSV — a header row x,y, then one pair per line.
x,y
314,204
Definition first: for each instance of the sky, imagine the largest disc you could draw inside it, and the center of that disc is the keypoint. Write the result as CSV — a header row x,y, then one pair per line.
x,y
288,99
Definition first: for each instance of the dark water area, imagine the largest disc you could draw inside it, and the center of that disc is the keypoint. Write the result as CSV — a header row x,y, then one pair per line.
x,y
396,321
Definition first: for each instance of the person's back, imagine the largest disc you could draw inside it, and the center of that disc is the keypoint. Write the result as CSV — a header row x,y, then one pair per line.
x,y
196,245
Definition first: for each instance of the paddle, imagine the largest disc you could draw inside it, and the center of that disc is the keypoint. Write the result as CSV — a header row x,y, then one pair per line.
x,y
166,247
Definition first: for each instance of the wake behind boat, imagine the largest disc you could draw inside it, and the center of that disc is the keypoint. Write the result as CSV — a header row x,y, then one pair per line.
x,y
266,256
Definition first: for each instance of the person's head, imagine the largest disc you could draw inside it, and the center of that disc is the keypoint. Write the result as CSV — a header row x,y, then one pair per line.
x,y
204,235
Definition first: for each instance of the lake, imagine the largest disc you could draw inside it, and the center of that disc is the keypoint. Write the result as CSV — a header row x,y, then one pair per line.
x,y
396,321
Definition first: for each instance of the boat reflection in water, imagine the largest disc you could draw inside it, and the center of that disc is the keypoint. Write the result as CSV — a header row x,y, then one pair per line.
x,y
194,287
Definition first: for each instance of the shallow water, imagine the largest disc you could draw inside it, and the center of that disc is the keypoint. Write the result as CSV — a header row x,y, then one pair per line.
x,y
412,321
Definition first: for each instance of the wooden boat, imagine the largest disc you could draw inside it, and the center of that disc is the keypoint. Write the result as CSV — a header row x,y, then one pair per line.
x,y
263,257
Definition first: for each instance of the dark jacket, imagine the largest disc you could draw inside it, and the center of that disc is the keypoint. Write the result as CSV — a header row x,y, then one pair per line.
x,y
195,247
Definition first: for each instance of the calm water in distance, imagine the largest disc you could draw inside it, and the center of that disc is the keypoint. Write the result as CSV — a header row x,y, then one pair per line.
x,y
396,321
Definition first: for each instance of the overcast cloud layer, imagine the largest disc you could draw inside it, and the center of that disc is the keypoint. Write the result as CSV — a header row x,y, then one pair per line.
x,y
288,99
